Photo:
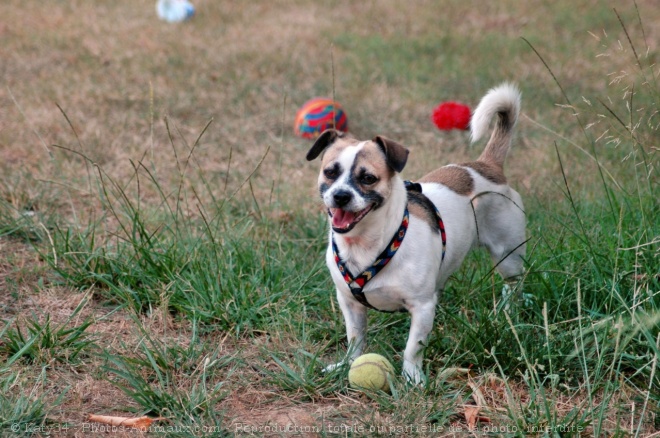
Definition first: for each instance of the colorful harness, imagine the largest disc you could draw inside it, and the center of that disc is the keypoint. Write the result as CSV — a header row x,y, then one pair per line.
x,y
384,258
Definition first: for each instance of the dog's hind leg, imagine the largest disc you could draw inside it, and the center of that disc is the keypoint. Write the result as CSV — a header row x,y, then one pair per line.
x,y
511,269
502,230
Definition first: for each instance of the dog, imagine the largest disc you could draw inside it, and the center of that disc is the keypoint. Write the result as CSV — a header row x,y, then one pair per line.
x,y
393,244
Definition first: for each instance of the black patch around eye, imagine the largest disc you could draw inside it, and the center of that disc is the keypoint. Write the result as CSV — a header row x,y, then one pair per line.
x,y
368,179
332,172
323,187
366,192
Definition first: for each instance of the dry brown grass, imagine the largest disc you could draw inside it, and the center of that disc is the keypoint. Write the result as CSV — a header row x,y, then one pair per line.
x,y
86,389
117,72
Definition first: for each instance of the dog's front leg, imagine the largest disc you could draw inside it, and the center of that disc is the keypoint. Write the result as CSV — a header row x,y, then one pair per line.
x,y
420,327
355,318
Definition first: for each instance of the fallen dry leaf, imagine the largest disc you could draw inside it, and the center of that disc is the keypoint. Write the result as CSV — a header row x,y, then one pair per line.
x,y
141,423
471,416
448,373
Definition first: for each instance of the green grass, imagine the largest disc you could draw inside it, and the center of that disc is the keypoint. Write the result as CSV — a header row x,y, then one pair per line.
x,y
173,382
41,343
25,413
179,207
233,271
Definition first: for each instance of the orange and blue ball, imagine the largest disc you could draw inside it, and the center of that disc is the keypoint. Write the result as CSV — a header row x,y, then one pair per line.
x,y
317,115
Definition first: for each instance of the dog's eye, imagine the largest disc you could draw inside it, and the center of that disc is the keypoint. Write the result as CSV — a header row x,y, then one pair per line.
x,y
331,173
367,179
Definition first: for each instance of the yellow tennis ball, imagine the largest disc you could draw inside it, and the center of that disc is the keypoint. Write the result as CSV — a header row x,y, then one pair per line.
x,y
370,371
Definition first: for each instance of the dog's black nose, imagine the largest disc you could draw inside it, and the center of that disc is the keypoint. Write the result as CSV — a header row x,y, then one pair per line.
x,y
342,197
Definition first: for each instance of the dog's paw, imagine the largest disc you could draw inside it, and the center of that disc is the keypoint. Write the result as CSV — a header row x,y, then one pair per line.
x,y
511,294
413,374
335,366
507,296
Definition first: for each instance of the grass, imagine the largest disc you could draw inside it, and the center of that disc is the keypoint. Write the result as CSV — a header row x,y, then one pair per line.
x,y
161,242
173,381
42,343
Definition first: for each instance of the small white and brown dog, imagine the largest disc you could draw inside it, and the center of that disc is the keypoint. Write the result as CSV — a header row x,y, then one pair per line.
x,y
394,244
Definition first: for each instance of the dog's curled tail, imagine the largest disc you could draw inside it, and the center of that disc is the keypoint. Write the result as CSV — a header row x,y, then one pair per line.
x,y
503,100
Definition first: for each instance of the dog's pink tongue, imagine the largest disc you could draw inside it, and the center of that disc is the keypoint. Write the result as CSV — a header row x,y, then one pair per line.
x,y
342,218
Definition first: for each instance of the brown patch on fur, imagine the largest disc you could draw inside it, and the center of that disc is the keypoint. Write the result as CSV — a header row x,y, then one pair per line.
x,y
337,148
421,207
454,178
491,171
372,158
396,154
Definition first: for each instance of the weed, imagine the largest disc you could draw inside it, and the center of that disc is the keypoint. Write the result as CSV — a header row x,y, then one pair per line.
x,y
40,343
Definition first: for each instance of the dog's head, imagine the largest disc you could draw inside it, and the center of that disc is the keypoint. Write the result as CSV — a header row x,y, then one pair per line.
x,y
356,176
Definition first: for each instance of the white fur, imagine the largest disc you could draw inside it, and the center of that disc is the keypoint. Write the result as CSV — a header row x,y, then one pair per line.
x,y
416,274
504,97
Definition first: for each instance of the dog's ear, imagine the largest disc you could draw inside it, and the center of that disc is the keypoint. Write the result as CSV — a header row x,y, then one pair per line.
x,y
396,154
325,139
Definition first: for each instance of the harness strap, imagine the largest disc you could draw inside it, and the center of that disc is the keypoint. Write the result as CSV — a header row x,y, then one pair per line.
x,y
381,261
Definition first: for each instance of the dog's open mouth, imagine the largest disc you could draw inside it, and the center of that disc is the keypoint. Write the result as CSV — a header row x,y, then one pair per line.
x,y
343,221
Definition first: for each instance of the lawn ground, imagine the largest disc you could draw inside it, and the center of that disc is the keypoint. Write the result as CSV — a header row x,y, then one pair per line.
x,y
161,237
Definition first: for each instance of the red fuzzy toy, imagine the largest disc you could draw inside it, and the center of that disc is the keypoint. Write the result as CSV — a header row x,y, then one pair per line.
x,y
451,115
